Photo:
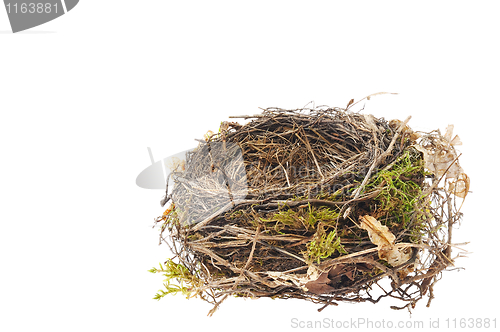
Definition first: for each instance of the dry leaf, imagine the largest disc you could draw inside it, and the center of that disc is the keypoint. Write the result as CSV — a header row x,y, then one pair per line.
x,y
384,240
379,234
320,285
364,267
395,256
440,156
336,273
460,187
313,274
449,132
326,282
456,141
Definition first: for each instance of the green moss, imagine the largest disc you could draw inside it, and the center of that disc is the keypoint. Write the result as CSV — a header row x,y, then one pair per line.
x,y
235,215
306,218
324,245
186,282
401,193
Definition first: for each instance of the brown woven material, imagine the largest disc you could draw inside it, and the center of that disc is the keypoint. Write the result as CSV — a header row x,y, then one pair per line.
x,y
319,204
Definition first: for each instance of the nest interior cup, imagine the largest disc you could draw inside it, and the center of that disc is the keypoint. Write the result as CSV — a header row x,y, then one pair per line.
x,y
318,204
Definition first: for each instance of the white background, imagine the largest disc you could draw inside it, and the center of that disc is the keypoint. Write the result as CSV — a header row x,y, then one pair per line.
x,y
83,96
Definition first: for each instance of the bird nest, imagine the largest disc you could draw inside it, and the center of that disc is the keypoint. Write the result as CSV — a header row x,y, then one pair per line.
x,y
321,204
